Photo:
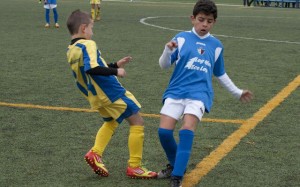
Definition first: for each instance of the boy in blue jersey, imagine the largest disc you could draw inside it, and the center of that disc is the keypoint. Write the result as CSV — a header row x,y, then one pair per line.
x,y
197,55
48,5
98,83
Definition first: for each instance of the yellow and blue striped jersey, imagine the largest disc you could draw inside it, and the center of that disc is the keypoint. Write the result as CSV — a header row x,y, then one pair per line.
x,y
95,1
99,90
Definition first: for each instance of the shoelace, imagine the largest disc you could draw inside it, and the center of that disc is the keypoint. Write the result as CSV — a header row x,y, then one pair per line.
x,y
164,171
169,168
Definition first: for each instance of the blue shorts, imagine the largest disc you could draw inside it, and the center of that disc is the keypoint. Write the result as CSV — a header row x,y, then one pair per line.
x,y
121,109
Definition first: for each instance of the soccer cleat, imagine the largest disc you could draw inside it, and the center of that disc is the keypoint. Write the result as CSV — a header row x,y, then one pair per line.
x,y
165,173
140,173
176,181
47,25
95,162
56,25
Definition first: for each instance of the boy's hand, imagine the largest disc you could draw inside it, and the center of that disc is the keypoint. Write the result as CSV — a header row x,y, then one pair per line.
x,y
121,72
246,96
121,63
171,45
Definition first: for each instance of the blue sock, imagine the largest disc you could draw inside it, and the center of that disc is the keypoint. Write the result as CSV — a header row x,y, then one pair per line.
x,y
47,16
183,152
55,15
168,143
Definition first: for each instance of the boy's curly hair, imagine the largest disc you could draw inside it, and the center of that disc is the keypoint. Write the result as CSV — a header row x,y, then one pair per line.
x,y
207,7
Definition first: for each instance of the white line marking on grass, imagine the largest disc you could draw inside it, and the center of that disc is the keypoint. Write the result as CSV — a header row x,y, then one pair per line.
x,y
264,17
143,21
257,39
162,2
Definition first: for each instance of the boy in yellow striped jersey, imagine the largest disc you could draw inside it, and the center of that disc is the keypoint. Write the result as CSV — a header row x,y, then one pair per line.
x,y
98,83
95,9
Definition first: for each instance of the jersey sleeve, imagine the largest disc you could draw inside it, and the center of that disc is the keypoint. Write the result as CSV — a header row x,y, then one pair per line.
x,y
168,56
174,56
219,68
180,41
90,55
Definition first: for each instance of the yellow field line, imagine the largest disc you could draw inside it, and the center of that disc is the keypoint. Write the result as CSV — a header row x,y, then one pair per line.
x,y
234,121
209,162
22,105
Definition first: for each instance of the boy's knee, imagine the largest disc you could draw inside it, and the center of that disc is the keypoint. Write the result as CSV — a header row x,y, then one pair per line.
x,y
136,119
165,133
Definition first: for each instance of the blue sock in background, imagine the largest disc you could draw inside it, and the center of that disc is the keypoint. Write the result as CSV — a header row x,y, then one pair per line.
x,y
168,143
183,152
47,16
55,15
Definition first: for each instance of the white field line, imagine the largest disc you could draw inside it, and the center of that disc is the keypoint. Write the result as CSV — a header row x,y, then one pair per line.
x,y
153,2
143,21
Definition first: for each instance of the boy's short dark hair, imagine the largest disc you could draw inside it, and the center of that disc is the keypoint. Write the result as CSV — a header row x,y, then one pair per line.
x,y
77,18
207,7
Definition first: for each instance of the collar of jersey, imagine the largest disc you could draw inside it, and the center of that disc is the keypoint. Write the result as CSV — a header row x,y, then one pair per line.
x,y
75,40
201,37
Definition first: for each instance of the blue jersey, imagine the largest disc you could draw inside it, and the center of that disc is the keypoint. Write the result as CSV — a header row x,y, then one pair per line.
x,y
50,2
196,59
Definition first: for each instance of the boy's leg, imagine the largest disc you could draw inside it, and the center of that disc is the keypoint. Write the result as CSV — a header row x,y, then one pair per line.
x,y
186,136
171,112
165,133
182,157
136,144
103,137
47,17
55,17
93,11
168,143
127,107
98,16
183,152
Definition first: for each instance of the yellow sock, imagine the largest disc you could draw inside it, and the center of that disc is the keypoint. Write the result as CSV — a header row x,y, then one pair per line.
x,y
103,136
135,144
93,13
98,17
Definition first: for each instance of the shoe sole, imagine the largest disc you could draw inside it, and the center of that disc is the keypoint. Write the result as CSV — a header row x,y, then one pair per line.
x,y
97,170
137,177
163,177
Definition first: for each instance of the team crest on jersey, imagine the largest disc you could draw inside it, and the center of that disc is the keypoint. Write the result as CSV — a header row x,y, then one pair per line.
x,y
201,51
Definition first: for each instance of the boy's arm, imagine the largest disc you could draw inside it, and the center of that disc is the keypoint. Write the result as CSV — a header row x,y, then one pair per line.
x,y
122,62
104,71
112,69
227,83
165,58
242,95
113,65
